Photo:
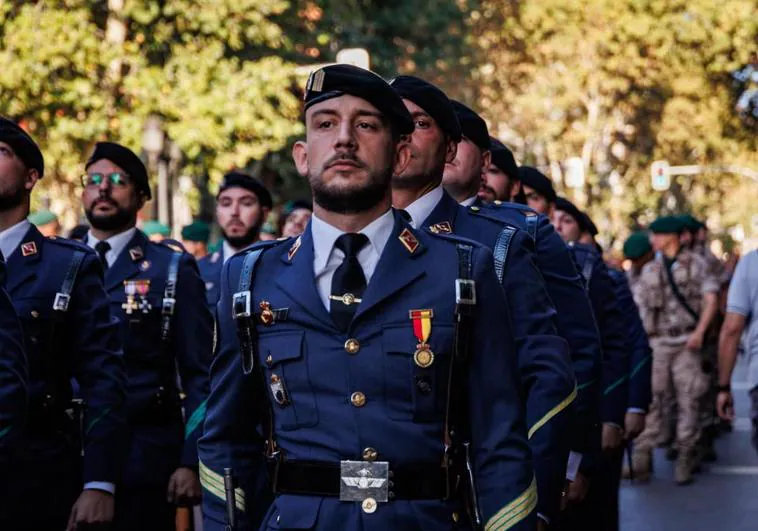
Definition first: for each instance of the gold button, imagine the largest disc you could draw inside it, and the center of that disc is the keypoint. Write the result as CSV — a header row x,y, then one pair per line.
x,y
358,399
369,505
497,202
455,517
269,360
352,346
35,314
474,209
33,339
370,454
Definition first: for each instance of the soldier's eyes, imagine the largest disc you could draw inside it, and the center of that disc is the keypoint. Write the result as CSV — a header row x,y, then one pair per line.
x,y
325,125
367,125
422,124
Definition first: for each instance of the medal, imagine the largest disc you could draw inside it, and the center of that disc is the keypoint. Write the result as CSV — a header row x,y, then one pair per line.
x,y
143,287
267,316
130,289
422,329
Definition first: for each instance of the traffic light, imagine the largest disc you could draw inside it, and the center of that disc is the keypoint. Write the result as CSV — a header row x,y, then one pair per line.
x,y
660,174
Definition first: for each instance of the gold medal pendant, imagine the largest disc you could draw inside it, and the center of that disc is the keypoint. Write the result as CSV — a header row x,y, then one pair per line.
x,y
422,329
424,357
267,316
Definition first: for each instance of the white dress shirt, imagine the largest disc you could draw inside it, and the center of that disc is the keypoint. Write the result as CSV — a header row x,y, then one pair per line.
x,y
420,209
470,201
11,237
327,258
118,243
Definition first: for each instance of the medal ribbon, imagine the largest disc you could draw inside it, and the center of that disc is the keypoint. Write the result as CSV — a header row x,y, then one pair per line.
x,y
422,324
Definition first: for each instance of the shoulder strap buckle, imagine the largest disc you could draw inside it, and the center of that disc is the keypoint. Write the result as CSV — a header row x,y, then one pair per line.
x,y
241,305
465,291
61,302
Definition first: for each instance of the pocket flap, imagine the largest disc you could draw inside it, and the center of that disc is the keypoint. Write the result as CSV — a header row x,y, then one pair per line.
x,y
278,347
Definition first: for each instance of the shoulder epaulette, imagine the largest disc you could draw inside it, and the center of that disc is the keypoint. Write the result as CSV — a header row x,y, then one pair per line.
x,y
452,237
71,244
488,213
174,245
513,206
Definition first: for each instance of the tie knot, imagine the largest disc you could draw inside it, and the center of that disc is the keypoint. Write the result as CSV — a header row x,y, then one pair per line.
x,y
351,243
102,248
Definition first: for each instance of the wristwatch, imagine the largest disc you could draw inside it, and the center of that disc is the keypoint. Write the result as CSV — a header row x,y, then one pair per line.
x,y
726,388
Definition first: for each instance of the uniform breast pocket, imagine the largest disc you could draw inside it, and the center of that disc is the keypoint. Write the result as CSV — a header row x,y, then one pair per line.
x,y
290,389
35,315
141,319
416,382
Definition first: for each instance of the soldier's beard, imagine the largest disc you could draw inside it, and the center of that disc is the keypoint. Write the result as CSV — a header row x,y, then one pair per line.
x,y
351,200
12,198
121,219
240,242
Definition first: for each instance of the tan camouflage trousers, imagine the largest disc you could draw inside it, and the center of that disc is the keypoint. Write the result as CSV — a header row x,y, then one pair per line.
x,y
676,373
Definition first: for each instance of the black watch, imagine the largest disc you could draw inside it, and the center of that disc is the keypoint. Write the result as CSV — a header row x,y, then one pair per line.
x,y
726,388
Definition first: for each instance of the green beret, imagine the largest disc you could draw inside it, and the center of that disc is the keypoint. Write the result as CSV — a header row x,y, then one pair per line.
x,y
691,223
637,245
667,225
197,231
42,217
151,227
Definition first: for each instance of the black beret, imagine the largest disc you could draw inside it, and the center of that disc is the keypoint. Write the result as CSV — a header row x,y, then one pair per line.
x,y
691,223
432,100
473,126
589,224
125,159
290,206
337,80
502,157
237,179
570,208
533,178
23,146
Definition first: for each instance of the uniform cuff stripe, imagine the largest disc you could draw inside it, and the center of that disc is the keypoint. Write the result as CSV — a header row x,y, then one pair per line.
x,y
638,367
214,483
97,419
553,412
515,511
585,385
614,385
196,419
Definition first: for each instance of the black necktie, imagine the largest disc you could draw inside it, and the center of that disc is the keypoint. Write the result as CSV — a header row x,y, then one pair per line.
x,y
348,282
102,249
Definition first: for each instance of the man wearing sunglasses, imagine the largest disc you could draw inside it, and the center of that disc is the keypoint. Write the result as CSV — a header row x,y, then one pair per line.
x,y
56,287
158,297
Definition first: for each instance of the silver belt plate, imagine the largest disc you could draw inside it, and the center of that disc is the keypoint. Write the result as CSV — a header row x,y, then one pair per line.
x,y
360,480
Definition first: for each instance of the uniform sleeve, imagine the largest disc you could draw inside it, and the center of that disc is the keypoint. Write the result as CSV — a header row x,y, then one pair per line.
x,y
14,374
640,394
192,343
615,386
230,438
711,279
100,373
507,490
740,295
546,372
576,323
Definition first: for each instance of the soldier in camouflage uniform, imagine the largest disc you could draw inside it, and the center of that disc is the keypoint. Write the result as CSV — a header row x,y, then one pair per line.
x,y
638,250
676,320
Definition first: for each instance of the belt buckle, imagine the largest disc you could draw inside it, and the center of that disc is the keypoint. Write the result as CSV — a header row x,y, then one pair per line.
x,y
363,480
241,305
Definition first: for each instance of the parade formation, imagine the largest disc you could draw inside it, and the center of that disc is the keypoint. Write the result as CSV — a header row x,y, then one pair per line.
x,y
436,342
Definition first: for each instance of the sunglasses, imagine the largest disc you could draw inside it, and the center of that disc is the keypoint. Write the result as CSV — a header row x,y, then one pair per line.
x,y
116,179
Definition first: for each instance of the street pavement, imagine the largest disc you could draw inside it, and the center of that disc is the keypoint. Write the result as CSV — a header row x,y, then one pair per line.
x,y
723,498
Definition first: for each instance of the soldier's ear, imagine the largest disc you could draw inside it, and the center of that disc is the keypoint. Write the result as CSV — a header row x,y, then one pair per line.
x,y
402,157
31,178
451,150
486,159
300,156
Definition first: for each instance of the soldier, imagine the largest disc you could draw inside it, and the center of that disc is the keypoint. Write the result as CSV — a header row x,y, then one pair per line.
x,y
572,225
156,293
156,231
547,375
575,320
638,250
56,287
195,238
46,222
351,337
295,217
14,376
677,301
242,205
